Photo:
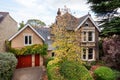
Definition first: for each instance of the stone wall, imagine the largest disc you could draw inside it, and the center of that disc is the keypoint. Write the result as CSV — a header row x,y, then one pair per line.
x,y
8,27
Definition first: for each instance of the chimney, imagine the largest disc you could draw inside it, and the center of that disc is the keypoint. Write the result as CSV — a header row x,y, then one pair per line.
x,y
58,12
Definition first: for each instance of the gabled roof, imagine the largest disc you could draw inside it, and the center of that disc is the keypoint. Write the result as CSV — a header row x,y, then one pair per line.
x,y
3,15
83,19
44,32
27,25
74,23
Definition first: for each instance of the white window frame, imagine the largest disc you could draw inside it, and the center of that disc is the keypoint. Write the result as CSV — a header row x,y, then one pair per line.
x,y
28,39
87,54
87,36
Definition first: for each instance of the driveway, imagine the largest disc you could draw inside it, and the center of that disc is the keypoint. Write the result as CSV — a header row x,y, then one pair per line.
x,y
32,73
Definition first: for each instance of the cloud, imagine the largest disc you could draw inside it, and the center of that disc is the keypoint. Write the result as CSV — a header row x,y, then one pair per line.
x,y
46,10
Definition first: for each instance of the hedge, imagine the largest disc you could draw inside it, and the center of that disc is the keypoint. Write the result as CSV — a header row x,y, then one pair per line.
x,y
74,71
68,70
8,64
104,73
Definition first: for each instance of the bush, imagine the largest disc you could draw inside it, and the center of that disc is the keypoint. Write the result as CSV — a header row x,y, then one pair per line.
x,y
53,72
47,60
74,71
104,73
7,65
67,70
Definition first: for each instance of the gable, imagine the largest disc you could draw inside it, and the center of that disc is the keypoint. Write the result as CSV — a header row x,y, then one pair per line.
x,y
90,21
25,27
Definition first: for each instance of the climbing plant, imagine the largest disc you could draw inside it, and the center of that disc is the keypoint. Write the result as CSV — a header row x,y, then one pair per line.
x,y
27,50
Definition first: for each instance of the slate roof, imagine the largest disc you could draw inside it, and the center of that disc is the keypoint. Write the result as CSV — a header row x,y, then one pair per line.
x,y
3,15
72,22
45,33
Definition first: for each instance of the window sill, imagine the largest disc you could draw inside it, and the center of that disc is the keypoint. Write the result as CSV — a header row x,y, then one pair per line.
x,y
88,59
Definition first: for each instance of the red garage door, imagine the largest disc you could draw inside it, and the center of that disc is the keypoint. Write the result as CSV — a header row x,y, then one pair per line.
x,y
37,60
24,61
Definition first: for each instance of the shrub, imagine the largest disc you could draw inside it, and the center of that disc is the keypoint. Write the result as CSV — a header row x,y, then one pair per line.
x,y
74,71
7,65
47,60
53,72
104,73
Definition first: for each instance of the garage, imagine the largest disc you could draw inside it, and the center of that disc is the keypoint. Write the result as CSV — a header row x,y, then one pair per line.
x,y
29,61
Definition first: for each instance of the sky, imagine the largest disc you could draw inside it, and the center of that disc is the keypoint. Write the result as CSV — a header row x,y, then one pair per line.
x,y
44,10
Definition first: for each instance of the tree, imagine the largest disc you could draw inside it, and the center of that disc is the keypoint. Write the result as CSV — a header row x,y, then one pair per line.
x,y
65,41
22,24
107,9
36,23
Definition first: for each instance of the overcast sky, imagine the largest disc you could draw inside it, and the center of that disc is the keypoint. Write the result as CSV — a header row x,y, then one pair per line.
x,y
45,10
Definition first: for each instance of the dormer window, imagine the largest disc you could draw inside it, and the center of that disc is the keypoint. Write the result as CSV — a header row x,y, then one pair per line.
x,y
86,24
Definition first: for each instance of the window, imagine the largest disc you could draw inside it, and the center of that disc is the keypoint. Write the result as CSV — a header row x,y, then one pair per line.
x,y
84,36
53,54
90,36
28,40
88,54
84,53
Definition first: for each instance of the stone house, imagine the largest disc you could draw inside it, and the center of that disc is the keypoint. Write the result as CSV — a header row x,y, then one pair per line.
x,y
87,30
8,26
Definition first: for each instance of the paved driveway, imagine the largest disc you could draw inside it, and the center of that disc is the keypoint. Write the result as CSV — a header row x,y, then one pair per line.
x,y
32,73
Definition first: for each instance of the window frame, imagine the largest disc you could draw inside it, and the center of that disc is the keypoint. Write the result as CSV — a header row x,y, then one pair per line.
x,y
28,37
87,55
87,36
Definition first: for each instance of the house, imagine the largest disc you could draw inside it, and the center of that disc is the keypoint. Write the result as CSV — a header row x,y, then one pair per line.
x,y
8,26
27,36
87,30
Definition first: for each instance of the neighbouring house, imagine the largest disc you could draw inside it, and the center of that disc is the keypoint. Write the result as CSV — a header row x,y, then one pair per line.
x,y
88,33
27,36
8,26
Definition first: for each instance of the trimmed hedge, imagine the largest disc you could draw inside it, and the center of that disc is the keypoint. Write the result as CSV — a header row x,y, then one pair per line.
x,y
104,73
8,64
74,71
68,70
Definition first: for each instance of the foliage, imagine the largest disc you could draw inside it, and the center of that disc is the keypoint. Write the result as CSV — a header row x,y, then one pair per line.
x,y
113,27
101,53
35,23
65,41
7,65
106,10
104,6
117,74
47,60
53,72
74,71
111,48
22,24
104,73
67,70
27,50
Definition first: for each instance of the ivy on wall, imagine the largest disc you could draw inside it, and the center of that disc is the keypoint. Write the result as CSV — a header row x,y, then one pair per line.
x,y
28,50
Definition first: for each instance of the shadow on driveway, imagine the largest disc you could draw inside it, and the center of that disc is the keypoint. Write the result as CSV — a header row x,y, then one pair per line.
x,y
32,73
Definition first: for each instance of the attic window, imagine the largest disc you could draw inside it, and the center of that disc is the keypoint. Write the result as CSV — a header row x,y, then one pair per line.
x,y
86,24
